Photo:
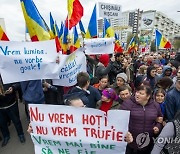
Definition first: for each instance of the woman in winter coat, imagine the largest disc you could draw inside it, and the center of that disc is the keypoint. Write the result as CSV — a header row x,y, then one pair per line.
x,y
144,113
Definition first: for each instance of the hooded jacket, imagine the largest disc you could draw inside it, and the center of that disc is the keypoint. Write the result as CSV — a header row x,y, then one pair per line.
x,y
165,68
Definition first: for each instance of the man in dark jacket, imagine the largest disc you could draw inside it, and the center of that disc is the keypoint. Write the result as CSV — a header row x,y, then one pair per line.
x,y
172,101
116,68
91,93
9,107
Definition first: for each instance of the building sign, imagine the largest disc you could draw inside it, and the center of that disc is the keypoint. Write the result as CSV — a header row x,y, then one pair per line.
x,y
107,10
147,20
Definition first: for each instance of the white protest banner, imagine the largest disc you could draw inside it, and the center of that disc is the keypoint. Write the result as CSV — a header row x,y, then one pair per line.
x,y
20,61
72,130
108,11
99,46
69,67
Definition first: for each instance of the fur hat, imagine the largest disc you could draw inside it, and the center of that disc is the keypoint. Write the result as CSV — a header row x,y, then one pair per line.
x,y
123,76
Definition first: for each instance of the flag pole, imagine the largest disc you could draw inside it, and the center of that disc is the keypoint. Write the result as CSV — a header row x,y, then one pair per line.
x,y
156,41
97,19
68,39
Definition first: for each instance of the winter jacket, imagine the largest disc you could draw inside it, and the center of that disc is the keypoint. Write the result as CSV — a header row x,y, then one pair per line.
x,y
92,94
53,94
32,91
165,68
116,68
101,70
172,103
8,100
142,118
114,106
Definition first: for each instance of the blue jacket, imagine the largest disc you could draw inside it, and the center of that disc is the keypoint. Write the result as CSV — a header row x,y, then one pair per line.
x,y
172,103
32,92
92,94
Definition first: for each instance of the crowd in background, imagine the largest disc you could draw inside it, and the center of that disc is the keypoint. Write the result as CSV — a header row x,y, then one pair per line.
x,y
146,84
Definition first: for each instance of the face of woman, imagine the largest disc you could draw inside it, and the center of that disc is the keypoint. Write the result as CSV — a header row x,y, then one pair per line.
x,y
105,99
120,82
153,73
159,97
103,83
141,97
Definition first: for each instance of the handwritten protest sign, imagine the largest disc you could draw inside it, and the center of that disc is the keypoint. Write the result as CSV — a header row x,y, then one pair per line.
x,y
22,61
70,66
71,130
99,46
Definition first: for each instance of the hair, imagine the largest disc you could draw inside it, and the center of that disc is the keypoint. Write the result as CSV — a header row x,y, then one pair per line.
x,y
160,90
82,79
104,76
118,54
69,100
164,83
122,88
146,88
142,69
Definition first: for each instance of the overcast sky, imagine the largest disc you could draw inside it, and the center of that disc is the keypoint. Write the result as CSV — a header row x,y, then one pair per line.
x,y
11,11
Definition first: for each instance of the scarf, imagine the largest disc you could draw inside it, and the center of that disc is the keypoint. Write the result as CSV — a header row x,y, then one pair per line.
x,y
105,106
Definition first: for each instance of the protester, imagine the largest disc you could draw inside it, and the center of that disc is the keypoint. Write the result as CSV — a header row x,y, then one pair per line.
x,y
142,124
92,93
167,72
121,80
108,100
32,93
151,76
52,94
168,140
178,75
165,83
172,100
124,92
103,67
103,83
159,98
9,107
117,67
159,70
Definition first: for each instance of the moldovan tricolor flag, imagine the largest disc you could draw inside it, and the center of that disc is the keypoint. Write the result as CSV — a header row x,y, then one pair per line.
x,y
3,36
75,12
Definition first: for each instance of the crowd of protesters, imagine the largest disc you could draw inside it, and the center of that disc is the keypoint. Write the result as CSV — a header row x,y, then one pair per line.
x,y
146,84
